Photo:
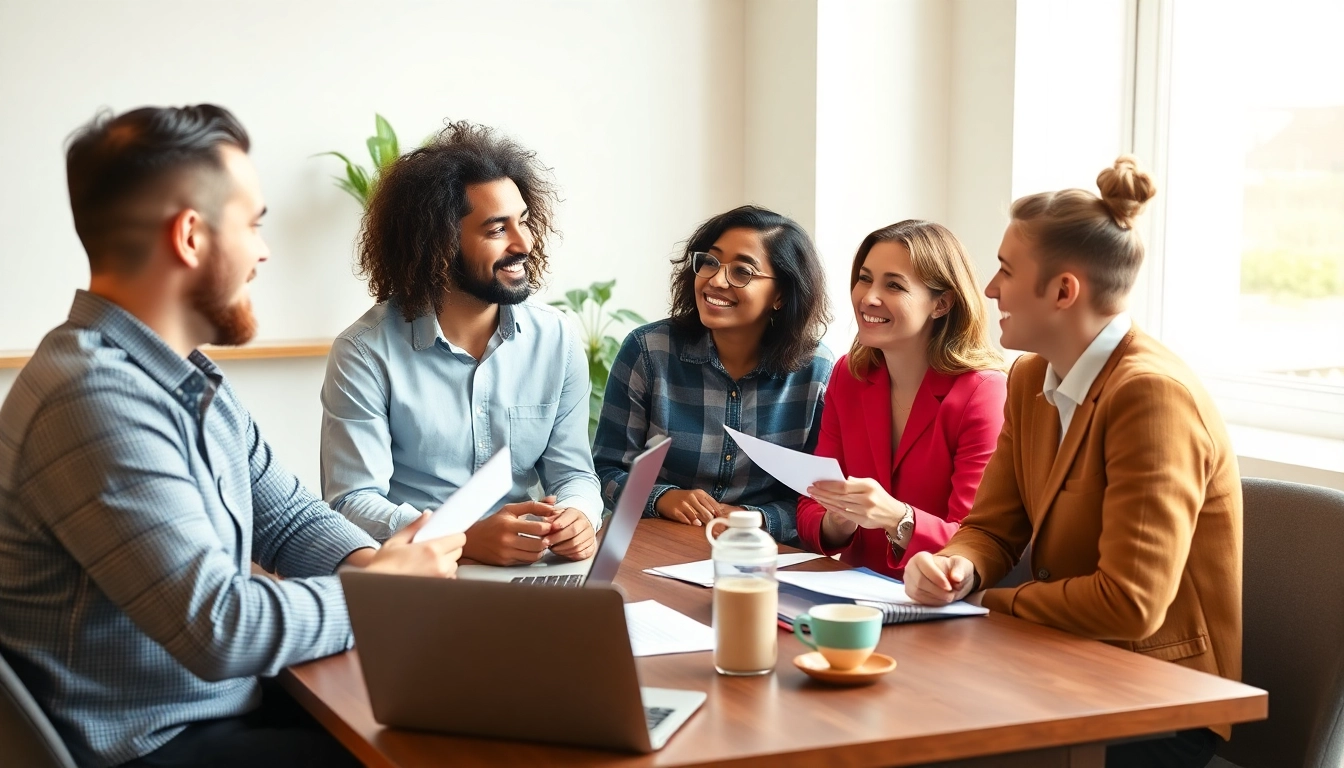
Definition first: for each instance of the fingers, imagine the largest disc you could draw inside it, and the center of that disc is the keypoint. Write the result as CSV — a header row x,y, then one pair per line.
x,y
566,526
677,514
538,508
960,571
706,507
925,580
582,544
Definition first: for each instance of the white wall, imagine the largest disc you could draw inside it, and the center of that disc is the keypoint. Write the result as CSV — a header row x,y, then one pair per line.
x,y
638,108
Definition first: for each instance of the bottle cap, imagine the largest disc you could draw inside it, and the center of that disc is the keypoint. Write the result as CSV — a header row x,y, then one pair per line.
x,y
748,518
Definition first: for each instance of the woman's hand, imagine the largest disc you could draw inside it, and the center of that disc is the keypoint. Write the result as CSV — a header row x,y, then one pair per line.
x,y
859,501
693,507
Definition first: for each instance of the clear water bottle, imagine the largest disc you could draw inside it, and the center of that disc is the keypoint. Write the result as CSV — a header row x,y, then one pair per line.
x,y
746,596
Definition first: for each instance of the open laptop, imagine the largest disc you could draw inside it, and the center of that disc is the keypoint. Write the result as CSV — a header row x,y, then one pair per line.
x,y
507,661
555,571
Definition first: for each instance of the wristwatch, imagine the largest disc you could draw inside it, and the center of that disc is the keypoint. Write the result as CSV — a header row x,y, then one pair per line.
x,y
904,529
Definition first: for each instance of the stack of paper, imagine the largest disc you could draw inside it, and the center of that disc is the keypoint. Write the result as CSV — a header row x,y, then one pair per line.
x,y
656,629
701,572
799,591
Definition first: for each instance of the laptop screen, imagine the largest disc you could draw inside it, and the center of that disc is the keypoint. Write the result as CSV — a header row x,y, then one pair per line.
x,y
629,508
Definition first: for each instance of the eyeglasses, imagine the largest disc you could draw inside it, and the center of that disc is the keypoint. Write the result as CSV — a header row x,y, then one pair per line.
x,y
740,275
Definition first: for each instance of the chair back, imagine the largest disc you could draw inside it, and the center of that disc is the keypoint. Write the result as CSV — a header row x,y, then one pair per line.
x,y
1292,625
28,737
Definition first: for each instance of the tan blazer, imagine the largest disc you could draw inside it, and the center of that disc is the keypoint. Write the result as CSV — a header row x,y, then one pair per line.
x,y
1135,518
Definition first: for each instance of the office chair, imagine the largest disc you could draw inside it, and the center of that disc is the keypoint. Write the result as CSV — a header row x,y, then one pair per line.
x,y
1292,626
28,737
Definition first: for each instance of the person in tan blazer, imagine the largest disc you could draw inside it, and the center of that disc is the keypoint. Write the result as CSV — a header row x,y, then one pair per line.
x,y
1113,462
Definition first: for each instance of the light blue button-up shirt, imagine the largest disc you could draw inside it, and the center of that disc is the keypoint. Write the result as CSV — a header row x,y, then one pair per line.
x,y
408,416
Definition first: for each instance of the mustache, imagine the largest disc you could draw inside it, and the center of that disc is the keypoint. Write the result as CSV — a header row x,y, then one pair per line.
x,y
509,261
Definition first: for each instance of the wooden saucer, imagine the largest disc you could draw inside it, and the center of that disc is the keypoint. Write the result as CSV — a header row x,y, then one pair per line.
x,y
816,667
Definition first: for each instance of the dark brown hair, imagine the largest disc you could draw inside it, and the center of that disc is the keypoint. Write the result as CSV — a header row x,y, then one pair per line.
x,y
1075,227
791,340
116,167
412,229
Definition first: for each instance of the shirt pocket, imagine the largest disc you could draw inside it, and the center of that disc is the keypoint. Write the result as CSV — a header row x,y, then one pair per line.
x,y
529,433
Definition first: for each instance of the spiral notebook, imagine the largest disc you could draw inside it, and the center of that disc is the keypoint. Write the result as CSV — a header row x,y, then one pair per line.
x,y
799,591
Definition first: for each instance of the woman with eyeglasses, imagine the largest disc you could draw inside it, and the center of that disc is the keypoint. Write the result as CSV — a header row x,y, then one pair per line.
x,y
742,349
914,411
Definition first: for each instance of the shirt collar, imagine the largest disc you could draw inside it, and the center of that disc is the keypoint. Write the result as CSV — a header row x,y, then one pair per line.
x,y
425,330
1084,372
187,379
702,351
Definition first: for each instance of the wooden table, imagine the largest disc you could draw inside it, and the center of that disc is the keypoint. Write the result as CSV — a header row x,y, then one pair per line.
x,y
965,689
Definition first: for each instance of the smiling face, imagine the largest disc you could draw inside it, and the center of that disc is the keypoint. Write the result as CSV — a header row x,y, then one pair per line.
x,y
234,249
491,263
1027,315
723,306
895,310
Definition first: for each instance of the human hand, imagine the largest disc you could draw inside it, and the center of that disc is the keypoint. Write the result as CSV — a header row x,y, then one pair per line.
x,y
572,535
505,538
936,580
693,507
860,500
436,557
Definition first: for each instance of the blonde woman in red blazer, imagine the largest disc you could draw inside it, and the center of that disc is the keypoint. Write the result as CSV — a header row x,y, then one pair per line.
x,y
913,412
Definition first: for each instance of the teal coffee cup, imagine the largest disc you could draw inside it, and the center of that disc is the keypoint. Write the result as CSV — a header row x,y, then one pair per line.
x,y
844,634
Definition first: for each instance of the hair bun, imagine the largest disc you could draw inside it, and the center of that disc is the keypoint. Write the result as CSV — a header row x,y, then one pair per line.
x,y
1125,189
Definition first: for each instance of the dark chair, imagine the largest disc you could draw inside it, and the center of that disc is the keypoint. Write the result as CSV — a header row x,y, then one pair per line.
x,y
28,737
1292,626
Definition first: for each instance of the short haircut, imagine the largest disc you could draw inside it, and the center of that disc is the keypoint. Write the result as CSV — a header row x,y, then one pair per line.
x,y
412,228
117,168
1074,227
960,340
791,340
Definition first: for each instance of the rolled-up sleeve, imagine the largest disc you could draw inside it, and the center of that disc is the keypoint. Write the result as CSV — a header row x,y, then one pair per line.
x,y
566,464
356,464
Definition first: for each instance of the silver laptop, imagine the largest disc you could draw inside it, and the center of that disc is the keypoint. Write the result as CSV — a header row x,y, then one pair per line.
x,y
555,571
476,659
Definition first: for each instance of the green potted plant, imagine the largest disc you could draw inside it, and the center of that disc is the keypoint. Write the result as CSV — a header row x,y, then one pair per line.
x,y
587,304
360,181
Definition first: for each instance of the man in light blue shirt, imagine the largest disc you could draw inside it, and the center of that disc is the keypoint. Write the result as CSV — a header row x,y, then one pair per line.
x,y
136,491
453,363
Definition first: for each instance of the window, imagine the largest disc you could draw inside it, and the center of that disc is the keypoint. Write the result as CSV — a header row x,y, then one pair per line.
x,y
1239,108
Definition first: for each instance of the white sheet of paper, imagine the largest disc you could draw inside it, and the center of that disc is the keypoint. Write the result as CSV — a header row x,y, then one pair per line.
x,y
473,500
852,584
701,572
656,629
793,468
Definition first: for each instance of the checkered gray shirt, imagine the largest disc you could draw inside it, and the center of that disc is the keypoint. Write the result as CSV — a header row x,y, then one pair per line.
x,y
665,384
135,490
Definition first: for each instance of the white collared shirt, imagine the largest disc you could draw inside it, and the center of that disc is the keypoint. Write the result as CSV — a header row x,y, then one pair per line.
x,y
1066,395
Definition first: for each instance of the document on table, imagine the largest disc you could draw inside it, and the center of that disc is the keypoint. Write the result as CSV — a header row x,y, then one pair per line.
x,y
701,572
656,629
864,587
472,501
793,468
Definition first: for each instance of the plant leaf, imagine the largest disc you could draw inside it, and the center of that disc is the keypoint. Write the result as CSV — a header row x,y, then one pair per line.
x,y
611,347
576,297
602,291
627,316
562,304
338,154
388,135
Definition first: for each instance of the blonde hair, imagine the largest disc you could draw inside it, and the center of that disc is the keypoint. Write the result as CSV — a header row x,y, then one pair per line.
x,y
1074,226
960,340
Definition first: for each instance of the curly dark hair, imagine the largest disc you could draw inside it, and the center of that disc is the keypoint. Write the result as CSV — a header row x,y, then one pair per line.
x,y
790,342
411,232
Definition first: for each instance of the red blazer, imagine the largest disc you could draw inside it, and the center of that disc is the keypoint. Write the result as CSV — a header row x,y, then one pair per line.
x,y
948,439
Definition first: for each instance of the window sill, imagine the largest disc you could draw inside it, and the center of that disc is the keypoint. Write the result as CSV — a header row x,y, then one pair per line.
x,y
1288,456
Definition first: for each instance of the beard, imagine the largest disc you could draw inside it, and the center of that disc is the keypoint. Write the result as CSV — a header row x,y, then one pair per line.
x,y
234,323
494,290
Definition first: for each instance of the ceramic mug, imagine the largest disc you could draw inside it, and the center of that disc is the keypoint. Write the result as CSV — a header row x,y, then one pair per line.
x,y
845,634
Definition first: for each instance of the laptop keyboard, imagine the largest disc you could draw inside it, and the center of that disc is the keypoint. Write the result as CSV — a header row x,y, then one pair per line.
x,y
654,716
569,580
